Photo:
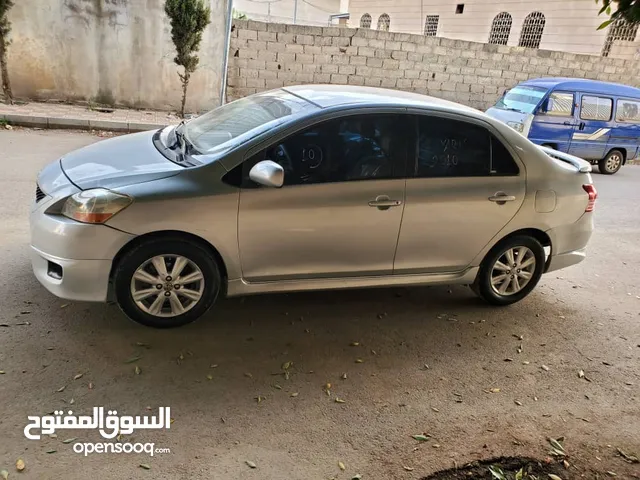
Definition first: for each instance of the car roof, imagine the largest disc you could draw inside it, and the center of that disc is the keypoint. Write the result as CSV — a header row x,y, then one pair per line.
x,y
327,96
584,85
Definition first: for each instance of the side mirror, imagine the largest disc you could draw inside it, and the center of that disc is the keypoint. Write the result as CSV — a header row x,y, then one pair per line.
x,y
544,106
267,173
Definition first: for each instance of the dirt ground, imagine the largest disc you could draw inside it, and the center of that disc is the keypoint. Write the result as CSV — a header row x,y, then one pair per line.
x,y
481,382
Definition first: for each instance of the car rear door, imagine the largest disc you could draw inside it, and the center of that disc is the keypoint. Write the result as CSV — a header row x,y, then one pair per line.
x,y
592,134
339,211
463,187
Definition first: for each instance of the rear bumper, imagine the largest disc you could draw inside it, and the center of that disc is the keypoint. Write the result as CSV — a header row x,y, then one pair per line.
x,y
563,260
81,280
569,243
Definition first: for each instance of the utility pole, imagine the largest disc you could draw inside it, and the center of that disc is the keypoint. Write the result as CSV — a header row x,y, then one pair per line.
x,y
295,10
225,53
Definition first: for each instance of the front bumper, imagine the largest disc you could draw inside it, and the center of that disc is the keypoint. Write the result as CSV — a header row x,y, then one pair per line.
x,y
82,280
71,259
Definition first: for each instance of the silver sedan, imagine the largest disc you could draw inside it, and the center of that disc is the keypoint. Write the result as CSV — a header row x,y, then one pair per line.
x,y
304,188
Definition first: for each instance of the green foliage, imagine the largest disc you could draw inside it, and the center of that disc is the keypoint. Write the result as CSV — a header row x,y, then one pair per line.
x,y
628,10
188,19
5,25
5,28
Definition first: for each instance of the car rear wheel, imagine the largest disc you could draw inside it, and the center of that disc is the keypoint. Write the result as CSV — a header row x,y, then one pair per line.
x,y
510,271
166,283
611,163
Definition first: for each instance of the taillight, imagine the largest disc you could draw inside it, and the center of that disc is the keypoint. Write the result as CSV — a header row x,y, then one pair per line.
x,y
593,194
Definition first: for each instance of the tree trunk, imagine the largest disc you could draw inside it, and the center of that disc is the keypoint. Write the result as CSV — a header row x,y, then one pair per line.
x,y
4,69
185,84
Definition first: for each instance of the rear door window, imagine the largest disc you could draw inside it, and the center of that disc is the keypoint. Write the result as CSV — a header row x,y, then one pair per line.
x,y
596,108
628,111
455,148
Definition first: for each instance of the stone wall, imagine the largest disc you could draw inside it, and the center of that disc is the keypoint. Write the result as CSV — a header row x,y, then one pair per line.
x,y
267,55
109,51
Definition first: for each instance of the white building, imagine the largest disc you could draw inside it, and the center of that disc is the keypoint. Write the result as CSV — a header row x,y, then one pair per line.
x,y
569,26
305,12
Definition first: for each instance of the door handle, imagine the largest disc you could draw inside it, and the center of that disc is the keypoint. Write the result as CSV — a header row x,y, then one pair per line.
x,y
383,202
566,122
501,198
581,126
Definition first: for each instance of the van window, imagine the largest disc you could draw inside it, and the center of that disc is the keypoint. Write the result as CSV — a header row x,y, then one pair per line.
x,y
560,104
596,108
628,111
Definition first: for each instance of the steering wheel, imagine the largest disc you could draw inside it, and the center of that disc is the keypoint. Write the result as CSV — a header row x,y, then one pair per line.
x,y
283,158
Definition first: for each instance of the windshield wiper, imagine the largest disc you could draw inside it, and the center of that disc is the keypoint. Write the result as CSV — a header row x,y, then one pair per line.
x,y
181,142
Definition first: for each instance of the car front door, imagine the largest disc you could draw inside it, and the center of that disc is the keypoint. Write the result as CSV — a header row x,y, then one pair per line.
x,y
338,213
466,187
592,134
555,121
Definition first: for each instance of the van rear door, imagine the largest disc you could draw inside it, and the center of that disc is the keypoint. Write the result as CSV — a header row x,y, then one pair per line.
x,y
590,138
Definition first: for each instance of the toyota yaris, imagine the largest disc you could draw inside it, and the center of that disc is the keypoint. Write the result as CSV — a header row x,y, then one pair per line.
x,y
305,188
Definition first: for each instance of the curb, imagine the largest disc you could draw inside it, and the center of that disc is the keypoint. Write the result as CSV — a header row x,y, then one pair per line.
x,y
78,123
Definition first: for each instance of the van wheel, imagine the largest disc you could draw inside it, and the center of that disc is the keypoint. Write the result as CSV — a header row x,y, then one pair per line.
x,y
510,271
611,163
166,283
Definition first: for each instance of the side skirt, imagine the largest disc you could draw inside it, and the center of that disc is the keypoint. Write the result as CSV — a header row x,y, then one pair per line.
x,y
242,287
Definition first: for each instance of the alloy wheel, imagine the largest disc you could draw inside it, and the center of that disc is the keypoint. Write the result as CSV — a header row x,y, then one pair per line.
x,y
167,285
613,162
513,270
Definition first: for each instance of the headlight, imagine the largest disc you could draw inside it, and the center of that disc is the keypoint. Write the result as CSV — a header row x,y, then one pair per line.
x,y
517,126
95,206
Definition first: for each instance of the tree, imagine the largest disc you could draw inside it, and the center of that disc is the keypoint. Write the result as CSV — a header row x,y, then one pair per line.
x,y
188,19
627,10
5,28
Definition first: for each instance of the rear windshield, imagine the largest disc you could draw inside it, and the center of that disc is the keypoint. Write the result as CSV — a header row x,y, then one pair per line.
x,y
522,99
238,121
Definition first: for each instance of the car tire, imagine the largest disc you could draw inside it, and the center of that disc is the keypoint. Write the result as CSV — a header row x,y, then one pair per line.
x,y
611,163
488,284
199,272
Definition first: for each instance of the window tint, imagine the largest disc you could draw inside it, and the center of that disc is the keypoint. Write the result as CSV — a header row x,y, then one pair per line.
x,y
359,147
452,148
596,108
560,104
502,163
628,111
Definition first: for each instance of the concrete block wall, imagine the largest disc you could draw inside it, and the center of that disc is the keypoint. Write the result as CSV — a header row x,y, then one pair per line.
x,y
264,56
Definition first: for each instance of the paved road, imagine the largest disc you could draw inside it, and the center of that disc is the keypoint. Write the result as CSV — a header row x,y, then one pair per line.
x,y
576,320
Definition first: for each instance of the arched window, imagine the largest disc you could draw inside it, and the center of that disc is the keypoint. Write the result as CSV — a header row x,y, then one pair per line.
x,y
431,25
532,29
384,22
500,29
365,21
619,30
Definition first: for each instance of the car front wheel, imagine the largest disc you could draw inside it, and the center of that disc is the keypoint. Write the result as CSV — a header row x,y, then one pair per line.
x,y
510,271
166,283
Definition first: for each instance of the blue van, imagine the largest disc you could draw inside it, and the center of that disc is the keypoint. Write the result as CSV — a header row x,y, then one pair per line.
x,y
597,121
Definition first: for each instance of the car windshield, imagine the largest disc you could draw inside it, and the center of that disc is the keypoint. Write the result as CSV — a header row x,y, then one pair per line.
x,y
238,121
521,99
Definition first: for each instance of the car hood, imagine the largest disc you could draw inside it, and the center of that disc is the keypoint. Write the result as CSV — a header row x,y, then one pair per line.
x,y
507,115
117,162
